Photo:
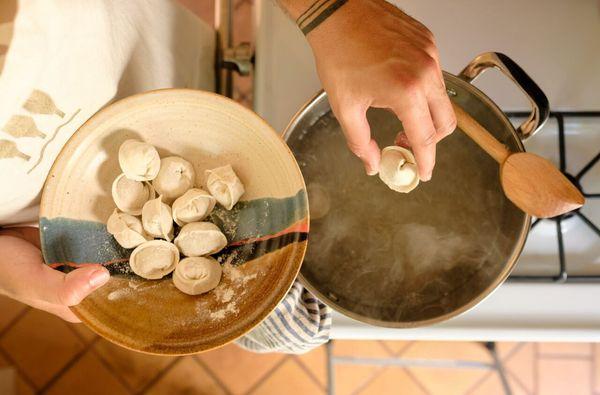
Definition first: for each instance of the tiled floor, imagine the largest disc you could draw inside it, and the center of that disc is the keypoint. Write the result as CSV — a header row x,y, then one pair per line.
x,y
54,357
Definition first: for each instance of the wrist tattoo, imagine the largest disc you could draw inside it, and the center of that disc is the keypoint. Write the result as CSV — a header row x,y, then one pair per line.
x,y
317,13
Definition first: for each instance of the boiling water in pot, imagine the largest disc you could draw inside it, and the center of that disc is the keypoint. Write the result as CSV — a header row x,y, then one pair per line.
x,y
401,257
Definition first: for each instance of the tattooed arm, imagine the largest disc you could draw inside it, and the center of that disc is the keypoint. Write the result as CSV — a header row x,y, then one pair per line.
x,y
371,54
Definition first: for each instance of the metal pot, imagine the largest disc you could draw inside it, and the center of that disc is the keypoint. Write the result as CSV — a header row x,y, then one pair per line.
x,y
406,260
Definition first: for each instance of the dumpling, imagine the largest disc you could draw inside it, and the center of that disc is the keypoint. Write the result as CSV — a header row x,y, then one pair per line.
x,y
398,169
200,238
130,196
197,275
139,161
157,220
126,229
175,177
154,259
224,185
192,206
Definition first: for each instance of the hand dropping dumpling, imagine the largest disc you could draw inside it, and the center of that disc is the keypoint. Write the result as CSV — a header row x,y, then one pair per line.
x,y
154,259
130,196
157,220
126,229
224,185
200,238
398,169
192,206
197,275
175,177
139,161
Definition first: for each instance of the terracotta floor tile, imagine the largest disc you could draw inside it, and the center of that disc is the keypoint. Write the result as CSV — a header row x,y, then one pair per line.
x,y
22,387
521,366
565,349
87,376
492,385
596,365
564,376
227,362
135,368
392,381
40,344
316,362
516,387
84,332
288,379
348,378
396,346
359,348
447,381
186,377
467,351
10,309
505,348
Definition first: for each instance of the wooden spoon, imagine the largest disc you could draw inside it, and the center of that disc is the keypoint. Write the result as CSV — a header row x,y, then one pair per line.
x,y
531,182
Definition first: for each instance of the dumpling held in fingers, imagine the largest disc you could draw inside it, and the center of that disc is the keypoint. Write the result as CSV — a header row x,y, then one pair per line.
x,y
224,185
197,275
126,229
154,259
200,238
130,196
192,206
139,161
157,220
175,177
398,169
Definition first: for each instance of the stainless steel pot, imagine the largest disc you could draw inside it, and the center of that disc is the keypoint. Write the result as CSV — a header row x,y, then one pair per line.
x,y
405,260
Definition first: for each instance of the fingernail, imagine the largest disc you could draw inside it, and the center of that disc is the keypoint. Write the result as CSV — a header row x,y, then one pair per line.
x,y
99,278
426,178
371,172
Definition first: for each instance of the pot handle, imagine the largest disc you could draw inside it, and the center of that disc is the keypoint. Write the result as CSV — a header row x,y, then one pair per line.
x,y
540,108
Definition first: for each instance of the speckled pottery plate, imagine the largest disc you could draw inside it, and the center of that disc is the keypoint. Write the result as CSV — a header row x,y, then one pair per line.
x,y
266,231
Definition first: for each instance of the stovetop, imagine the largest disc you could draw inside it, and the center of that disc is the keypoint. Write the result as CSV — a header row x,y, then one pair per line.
x,y
566,248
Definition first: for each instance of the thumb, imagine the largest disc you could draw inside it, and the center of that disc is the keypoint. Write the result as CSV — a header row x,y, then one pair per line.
x,y
358,135
71,288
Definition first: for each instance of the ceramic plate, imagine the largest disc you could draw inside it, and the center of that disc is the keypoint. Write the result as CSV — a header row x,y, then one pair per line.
x,y
266,231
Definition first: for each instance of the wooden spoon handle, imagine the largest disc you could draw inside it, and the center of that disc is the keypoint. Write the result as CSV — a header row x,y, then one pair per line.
x,y
480,135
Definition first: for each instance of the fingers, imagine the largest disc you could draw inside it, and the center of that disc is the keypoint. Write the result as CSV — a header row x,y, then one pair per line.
x,y
358,136
71,288
442,114
24,276
421,133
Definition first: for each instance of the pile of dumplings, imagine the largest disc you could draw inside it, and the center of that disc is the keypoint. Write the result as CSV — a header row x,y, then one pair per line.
x,y
162,192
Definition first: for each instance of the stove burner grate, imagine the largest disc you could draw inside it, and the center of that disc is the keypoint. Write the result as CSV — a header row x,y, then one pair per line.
x,y
562,275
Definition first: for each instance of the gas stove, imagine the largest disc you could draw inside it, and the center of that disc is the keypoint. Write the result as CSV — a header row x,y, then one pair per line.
x,y
566,248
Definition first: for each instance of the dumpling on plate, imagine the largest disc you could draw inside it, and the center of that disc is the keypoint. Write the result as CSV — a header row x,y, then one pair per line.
x,y
200,238
197,275
175,177
154,259
224,185
139,161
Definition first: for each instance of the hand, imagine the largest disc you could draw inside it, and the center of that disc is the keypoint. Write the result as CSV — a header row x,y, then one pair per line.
x,y
25,277
371,54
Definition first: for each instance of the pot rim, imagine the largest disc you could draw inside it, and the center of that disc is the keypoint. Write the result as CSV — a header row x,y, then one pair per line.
x,y
500,278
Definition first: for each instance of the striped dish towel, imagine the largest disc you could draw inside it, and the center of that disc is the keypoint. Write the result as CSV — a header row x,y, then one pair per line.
x,y
298,324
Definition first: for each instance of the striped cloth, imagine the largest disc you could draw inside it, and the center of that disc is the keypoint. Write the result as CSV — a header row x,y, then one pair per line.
x,y
298,324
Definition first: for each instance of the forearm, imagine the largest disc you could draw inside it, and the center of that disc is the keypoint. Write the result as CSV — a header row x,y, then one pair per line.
x,y
310,14
295,8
